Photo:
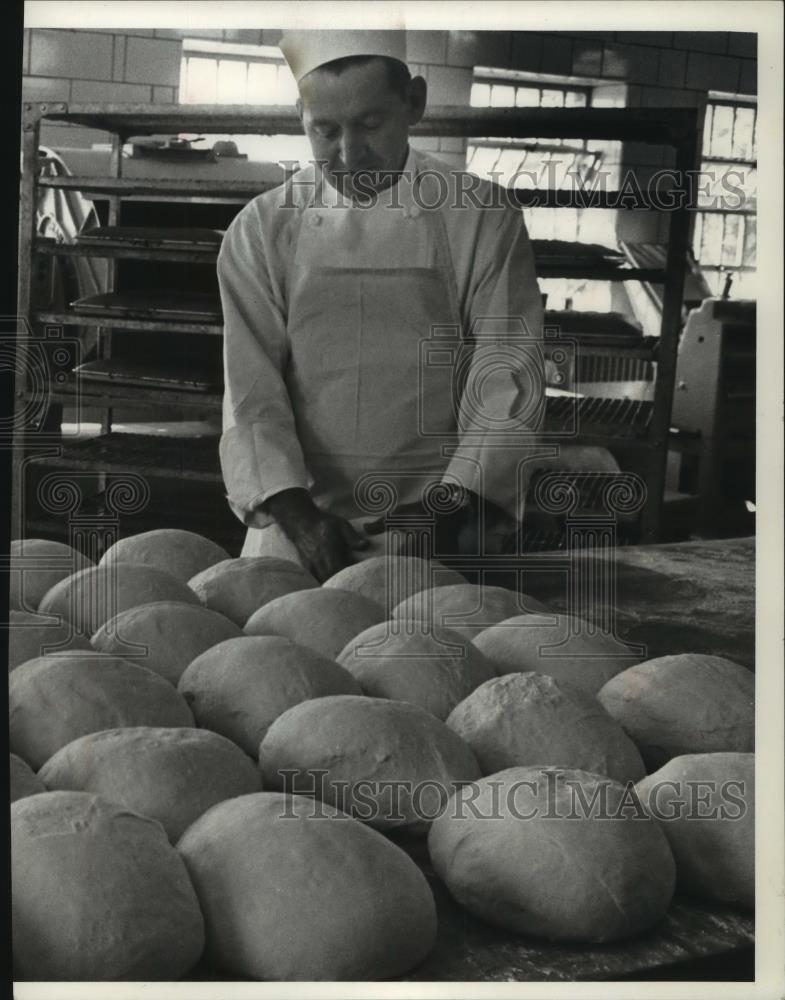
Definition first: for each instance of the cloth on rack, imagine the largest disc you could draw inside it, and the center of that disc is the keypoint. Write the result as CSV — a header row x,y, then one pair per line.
x,y
61,215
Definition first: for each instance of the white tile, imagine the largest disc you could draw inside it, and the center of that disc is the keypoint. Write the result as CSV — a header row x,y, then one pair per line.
x,y
153,61
71,54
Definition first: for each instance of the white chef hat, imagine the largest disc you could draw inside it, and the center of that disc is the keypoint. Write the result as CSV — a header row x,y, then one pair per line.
x,y
307,50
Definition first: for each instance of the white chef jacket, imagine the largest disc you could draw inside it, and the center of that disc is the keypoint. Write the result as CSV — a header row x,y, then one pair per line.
x,y
495,278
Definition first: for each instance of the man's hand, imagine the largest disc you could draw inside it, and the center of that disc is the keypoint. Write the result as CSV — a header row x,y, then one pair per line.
x,y
457,528
324,541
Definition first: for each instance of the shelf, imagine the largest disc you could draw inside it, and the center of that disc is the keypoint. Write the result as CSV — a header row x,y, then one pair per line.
x,y
130,397
240,191
668,126
602,271
644,349
617,423
123,323
599,272
50,248
191,458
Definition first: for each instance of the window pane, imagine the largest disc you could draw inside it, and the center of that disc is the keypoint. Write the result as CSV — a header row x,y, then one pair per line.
x,y
262,83
732,241
534,166
584,164
543,224
287,88
231,81
527,97
711,188
750,183
742,133
201,87
552,99
567,224
483,160
508,164
711,239
481,95
596,225
574,99
749,253
722,131
697,236
502,96
740,186
707,129
563,170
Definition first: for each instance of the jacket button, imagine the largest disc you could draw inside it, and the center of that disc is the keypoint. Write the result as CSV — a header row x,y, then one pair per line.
x,y
315,220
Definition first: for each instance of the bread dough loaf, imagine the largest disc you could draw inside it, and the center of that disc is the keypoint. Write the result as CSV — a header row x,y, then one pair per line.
x,y
521,850
322,619
99,894
172,775
49,563
289,895
387,763
416,662
468,608
239,687
23,780
706,806
388,580
520,720
683,704
93,596
559,645
171,635
238,587
55,699
31,635
181,553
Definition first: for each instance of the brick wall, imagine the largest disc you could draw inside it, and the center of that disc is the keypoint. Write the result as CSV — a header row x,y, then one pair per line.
x,y
83,66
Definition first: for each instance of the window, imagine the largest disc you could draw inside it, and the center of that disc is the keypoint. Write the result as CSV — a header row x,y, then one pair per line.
x,y
548,164
539,163
220,73
725,226
223,73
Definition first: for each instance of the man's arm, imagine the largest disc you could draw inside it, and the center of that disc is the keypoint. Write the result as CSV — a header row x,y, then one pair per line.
x,y
261,458
502,404
260,452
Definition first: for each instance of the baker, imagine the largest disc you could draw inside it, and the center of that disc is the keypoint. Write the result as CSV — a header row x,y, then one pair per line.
x,y
381,324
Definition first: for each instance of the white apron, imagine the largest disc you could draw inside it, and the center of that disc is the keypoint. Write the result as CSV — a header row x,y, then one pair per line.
x,y
366,287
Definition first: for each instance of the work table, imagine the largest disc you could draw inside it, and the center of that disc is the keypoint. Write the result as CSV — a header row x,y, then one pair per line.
x,y
674,598
681,597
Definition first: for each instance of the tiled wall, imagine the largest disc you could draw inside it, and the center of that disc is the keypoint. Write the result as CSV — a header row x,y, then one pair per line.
x,y
85,66
664,69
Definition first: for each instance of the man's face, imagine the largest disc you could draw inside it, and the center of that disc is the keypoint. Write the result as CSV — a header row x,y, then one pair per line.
x,y
357,124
